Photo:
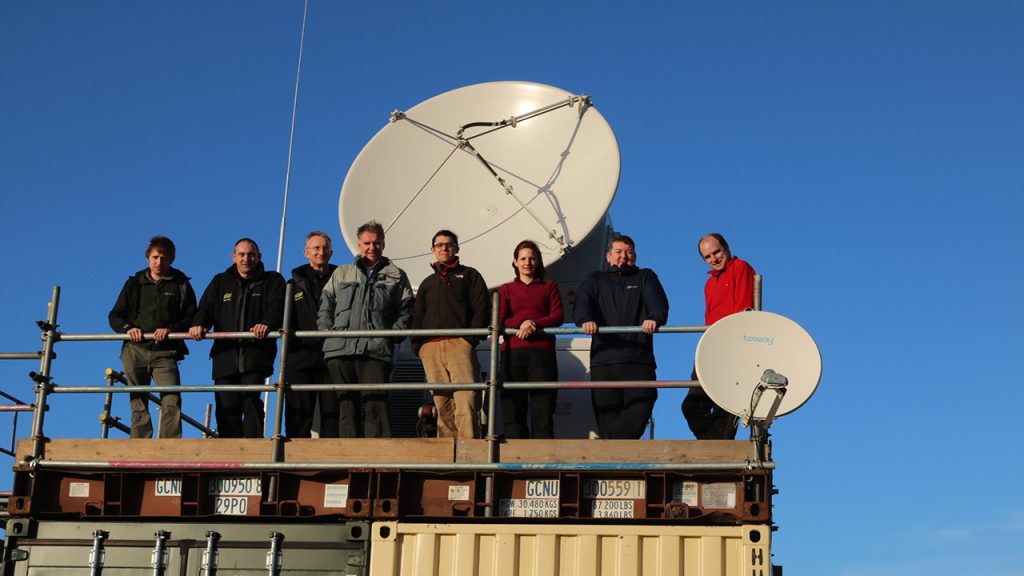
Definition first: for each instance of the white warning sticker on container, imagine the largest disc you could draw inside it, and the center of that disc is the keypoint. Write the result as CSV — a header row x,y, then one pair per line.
x,y
167,487
542,488
78,490
336,496
612,509
528,508
685,492
458,492
231,505
632,489
235,486
719,495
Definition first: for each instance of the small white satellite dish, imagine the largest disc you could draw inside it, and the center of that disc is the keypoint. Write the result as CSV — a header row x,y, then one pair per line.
x,y
496,163
758,359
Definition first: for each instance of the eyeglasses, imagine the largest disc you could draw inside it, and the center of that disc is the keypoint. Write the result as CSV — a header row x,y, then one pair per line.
x,y
440,245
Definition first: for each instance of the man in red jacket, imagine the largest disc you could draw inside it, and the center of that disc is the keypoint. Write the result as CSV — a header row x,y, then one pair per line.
x,y
730,289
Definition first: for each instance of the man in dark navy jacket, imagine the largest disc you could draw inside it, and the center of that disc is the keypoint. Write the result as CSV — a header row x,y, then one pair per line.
x,y
622,295
243,298
305,363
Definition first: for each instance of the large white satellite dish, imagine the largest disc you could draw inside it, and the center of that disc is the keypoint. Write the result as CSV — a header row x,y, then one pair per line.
x,y
753,359
496,163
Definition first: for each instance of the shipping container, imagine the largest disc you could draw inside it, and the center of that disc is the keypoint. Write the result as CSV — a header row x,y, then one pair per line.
x,y
54,548
477,549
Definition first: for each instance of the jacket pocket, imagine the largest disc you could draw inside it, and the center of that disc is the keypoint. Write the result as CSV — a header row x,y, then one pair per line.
x,y
383,305
345,296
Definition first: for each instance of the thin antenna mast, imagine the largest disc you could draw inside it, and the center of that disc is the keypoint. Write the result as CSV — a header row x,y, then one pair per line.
x,y
291,139
288,171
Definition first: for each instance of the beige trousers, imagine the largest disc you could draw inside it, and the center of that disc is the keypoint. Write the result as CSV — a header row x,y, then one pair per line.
x,y
453,361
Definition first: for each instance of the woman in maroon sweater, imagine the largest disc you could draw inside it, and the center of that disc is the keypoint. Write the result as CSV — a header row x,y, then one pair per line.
x,y
527,303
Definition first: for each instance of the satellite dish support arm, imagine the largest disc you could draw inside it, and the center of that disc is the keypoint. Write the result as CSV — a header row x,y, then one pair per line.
x,y
512,121
508,190
770,381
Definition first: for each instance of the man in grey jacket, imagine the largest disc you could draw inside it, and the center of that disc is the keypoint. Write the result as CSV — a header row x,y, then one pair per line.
x,y
371,294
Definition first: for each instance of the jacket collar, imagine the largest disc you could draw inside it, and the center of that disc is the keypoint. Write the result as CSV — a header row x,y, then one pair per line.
x,y
443,268
536,280
381,262
306,271
728,264
173,274
257,273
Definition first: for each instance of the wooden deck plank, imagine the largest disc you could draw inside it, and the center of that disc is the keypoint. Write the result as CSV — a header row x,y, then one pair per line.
x,y
605,451
427,450
399,450
432,450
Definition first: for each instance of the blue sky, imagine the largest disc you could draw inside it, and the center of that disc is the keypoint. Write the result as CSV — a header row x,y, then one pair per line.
x,y
864,156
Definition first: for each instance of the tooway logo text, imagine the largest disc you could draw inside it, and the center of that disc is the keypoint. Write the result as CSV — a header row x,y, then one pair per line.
x,y
759,339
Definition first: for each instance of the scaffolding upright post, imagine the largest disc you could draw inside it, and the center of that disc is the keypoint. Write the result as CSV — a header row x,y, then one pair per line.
x,y
757,292
492,402
50,336
108,401
278,446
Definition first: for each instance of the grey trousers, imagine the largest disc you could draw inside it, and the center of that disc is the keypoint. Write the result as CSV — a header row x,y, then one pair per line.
x,y
141,366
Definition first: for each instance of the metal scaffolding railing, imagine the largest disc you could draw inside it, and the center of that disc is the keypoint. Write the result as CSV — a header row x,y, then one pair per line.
x,y
44,385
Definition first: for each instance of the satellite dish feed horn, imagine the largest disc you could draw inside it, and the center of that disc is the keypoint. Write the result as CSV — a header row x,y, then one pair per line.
x,y
508,190
744,358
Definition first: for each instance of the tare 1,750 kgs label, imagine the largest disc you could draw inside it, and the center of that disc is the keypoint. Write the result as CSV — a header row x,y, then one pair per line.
x,y
528,508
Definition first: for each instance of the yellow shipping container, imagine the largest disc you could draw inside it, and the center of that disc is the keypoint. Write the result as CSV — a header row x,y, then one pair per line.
x,y
408,549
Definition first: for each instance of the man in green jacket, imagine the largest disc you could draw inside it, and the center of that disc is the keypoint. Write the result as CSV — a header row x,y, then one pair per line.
x,y
156,300
370,294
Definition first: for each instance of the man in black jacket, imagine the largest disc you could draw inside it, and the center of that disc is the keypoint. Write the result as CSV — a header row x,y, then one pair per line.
x,y
243,298
454,296
305,362
159,300
624,295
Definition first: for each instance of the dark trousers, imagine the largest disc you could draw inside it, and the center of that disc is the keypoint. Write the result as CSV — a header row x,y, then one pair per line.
x,y
529,365
374,421
239,414
622,413
707,420
300,406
